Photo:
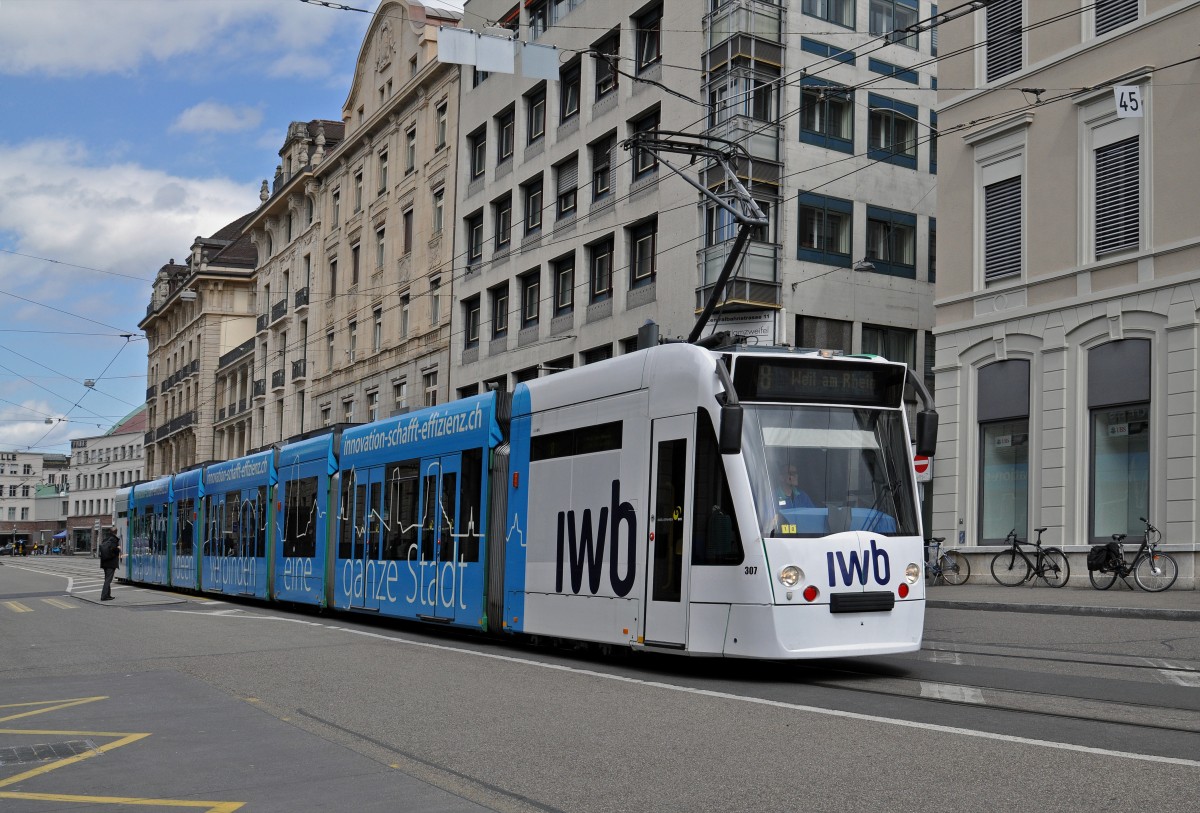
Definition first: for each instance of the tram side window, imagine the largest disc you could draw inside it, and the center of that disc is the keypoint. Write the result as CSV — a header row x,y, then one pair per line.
x,y
401,517
345,517
261,510
429,519
715,537
446,519
185,510
300,518
212,545
470,512
160,529
229,537
374,519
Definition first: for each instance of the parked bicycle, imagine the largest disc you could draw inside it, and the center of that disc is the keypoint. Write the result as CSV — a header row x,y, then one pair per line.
x,y
946,566
1152,570
1013,566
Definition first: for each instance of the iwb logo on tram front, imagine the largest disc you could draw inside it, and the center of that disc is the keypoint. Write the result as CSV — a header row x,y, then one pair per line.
x,y
853,567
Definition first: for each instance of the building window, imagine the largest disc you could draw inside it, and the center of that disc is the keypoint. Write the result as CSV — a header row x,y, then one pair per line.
x,y
892,131
337,207
645,162
430,380
330,346
1118,197
1002,231
502,214
933,30
566,178
474,225
892,241
405,302
531,292
477,145
531,193
642,254
377,330
352,338
1003,20
1112,14
824,334
435,301
602,164
439,210
933,142
410,151
933,249
825,229
839,12
379,247
383,172
893,343
505,134
891,17
601,353
471,317
564,284
600,268
354,257
333,274
358,191
1003,414
535,114
348,411
499,300
407,218
648,38
441,125
827,115
400,394
1118,394
568,88
539,18
606,51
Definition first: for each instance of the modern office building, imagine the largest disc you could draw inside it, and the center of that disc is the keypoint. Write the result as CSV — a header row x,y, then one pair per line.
x,y
1067,330
568,243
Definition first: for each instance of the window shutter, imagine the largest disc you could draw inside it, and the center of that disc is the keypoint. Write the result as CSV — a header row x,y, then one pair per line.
x,y
1002,229
1111,14
1003,38
1118,218
568,176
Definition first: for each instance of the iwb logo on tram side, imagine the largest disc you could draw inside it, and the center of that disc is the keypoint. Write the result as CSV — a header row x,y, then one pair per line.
x,y
587,548
854,566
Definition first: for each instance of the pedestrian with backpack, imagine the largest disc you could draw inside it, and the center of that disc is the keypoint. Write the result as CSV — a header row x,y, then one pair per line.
x,y
110,560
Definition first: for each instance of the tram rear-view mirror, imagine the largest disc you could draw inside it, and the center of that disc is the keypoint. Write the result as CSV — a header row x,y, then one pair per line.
x,y
730,440
927,429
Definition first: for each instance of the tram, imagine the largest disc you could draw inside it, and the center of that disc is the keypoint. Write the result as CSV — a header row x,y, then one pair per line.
x,y
737,502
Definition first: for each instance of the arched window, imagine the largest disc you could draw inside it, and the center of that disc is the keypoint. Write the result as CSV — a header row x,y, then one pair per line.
x,y
1118,395
1003,416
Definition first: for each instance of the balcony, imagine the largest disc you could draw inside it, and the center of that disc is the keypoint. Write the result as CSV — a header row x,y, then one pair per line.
x,y
277,380
755,280
242,350
299,368
760,138
260,388
758,18
279,310
302,298
149,438
260,324
151,391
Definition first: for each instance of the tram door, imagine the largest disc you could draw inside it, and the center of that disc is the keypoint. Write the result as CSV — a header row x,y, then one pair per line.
x,y
670,548
361,522
249,538
439,536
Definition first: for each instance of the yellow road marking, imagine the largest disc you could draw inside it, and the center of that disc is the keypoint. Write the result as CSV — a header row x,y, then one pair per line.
x,y
123,738
17,607
211,807
58,602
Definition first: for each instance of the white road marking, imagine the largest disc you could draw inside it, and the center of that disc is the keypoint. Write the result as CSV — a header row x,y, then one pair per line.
x,y
1177,674
937,656
949,691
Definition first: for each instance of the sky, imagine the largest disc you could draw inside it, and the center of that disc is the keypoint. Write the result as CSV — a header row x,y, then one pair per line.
x,y
130,127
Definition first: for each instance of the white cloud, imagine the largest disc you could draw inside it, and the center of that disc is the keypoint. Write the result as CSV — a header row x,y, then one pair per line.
x,y
214,117
75,37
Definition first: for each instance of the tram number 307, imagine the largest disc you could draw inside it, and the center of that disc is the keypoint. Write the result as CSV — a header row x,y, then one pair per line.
x,y
751,570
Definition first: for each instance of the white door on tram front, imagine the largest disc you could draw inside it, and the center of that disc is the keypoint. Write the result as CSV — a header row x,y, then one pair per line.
x,y
670,535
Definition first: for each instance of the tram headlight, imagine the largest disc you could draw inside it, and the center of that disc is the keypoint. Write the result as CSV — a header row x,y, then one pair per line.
x,y
791,575
912,573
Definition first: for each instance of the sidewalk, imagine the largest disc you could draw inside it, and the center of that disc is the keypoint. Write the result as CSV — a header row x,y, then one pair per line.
x,y
1118,601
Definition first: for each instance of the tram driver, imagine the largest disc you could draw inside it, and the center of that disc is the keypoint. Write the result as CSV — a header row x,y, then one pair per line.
x,y
788,493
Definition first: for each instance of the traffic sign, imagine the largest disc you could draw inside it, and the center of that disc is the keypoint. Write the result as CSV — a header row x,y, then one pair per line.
x,y
923,466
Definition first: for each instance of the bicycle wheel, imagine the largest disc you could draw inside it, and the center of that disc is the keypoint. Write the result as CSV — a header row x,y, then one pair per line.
x,y
1102,579
1155,572
1055,568
1010,568
955,567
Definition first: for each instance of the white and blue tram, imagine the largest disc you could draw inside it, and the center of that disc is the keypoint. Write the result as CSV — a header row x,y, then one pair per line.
x,y
637,502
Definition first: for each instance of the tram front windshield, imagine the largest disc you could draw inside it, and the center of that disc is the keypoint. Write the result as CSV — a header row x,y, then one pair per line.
x,y
818,470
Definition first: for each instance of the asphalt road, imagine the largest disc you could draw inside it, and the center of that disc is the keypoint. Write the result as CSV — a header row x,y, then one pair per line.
x,y
172,701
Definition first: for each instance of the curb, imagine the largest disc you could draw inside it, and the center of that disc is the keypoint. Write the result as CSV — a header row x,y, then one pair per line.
x,y
1067,609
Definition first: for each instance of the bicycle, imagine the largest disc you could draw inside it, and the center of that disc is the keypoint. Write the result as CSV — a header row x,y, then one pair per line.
x,y
1012,567
948,566
1153,571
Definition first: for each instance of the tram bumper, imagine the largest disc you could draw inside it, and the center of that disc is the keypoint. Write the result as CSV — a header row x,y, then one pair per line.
x,y
783,632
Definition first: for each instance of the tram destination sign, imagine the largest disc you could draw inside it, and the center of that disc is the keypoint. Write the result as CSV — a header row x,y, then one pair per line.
x,y
819,381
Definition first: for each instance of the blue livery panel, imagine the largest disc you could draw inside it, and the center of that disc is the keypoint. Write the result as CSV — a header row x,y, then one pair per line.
x,y
238,513
187,496
150,528
301,549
